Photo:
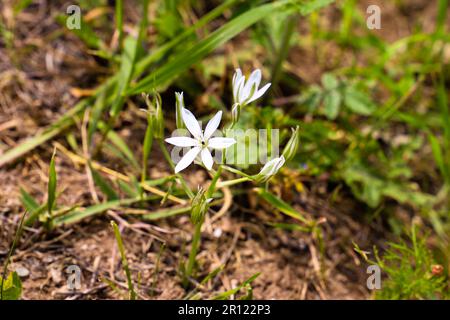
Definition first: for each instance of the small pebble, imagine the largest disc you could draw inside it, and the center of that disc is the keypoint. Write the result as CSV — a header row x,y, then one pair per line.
x,y
22,272
217,232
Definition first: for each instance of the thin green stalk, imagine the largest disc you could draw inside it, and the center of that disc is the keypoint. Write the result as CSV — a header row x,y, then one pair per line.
x,y
212,186
193,253
233,182
236,171
132,293
155,274
198,227
11,251
119,21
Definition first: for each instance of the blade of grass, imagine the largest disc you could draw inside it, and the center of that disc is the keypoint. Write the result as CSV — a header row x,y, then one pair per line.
x,y
119,20
281,205
103,185
227,294
131,292
51,190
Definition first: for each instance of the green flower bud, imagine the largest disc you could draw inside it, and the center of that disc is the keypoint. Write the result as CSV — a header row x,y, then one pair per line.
x,y
199,206
156,115
270,169
179,106
291,147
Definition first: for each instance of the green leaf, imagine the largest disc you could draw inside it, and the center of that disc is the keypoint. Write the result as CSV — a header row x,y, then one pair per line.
x,y
280,205
119,20
51,195
165,213
128,62
85,33
329,81
358,102
12,287
78,215
104,185
120,144
332,103
227,294
96,114
28,201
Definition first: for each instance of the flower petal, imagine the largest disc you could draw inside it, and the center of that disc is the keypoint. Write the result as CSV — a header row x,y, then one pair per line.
x,y
236,79
238,97
183,141
251,87
212,125
259,93
220,143
207,158
191,123
187,159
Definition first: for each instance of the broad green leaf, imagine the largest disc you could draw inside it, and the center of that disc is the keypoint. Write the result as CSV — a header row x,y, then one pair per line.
x,y
332,103
358,102
12,287
329,81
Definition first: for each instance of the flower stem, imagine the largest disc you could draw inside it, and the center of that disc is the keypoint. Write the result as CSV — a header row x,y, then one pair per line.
x,y
198,227
233,182
193,254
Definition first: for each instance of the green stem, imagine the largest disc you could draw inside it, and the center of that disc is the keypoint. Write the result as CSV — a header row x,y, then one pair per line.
x,y
236,171
193,254
233,182
132,293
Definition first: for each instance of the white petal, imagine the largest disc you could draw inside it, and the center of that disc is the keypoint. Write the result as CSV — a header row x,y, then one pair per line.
x,y
183,141
259,93
236,79
207,158
212,125
191,123
252,84
239,88
220,143
187,159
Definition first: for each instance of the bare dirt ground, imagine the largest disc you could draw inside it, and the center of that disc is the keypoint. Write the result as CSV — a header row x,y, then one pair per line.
x,y
41,81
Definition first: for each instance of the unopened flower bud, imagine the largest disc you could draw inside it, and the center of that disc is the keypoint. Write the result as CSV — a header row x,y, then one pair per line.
x,y
179,106
270,169
156,115
291,147
199,206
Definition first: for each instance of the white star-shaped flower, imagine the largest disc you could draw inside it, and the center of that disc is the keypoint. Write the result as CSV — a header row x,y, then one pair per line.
x,y
201,142
245,92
